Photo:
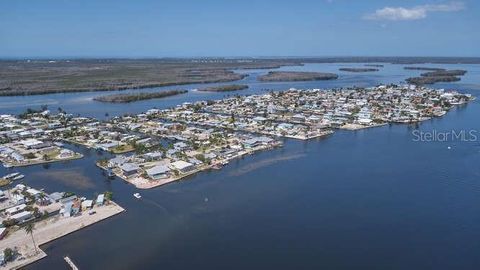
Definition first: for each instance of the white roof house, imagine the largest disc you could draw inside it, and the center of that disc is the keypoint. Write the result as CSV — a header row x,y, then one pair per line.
x,y
157,172
182,165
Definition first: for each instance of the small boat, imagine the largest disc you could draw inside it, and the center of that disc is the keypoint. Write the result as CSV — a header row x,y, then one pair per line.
x,y
137,195
7,165
18,177
11,175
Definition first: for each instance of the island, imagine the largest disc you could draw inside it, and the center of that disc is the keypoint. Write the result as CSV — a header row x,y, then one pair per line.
x,y
291,76
423,68
358,69
440,75
169,144
127,98
224,88
48,76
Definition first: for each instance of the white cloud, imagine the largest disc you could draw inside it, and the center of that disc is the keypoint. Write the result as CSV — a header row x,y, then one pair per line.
x,y
414,13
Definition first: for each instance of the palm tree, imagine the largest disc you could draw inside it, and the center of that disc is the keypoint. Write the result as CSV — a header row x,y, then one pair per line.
x,y
29,230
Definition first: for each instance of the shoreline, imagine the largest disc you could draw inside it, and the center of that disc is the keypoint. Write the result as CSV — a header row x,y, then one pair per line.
x,y
144,183
52,229
77,156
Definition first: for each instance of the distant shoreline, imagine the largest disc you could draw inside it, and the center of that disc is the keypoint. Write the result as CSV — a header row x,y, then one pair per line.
x,y
127,98
293,76
359,69
224,88
46,76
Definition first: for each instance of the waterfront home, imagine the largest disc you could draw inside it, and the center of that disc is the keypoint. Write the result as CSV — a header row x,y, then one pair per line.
x,y
152,156
100,199
87,204
129,169
66,209
15,210
56,196
182,166
117,161
158,172
18,198
22,216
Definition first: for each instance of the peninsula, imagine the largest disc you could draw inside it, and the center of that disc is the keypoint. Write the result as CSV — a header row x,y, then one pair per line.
x,y
49,217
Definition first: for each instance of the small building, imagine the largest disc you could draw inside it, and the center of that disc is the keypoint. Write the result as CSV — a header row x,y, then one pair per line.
x,y
76,207
298,118
183,166
100,199
66,210
158,172
2,196
129,169
34,193
87,204
3,232
22,216
153,156
117,161
56,196
15,210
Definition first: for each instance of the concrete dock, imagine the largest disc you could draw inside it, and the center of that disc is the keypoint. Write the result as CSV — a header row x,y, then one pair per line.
x,y
50,229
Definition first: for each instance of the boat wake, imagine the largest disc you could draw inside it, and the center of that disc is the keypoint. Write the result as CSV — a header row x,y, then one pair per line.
x,y
263,163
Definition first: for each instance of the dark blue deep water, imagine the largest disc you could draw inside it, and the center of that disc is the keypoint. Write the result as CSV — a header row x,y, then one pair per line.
x,y
369,199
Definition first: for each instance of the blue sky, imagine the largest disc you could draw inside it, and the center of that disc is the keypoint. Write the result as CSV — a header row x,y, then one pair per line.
x,y
144,28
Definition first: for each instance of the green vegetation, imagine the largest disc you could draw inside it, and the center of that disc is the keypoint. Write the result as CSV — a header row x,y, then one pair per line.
x,y
290,76
440,75
108,195
124,148
4,182
8,255
126,98
42,77
225,88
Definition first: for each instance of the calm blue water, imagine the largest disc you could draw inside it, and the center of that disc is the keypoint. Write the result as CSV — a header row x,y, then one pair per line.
x,y
370,199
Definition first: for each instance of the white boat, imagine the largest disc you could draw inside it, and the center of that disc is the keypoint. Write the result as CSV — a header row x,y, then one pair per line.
x,y
137,195
11,175
18,177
